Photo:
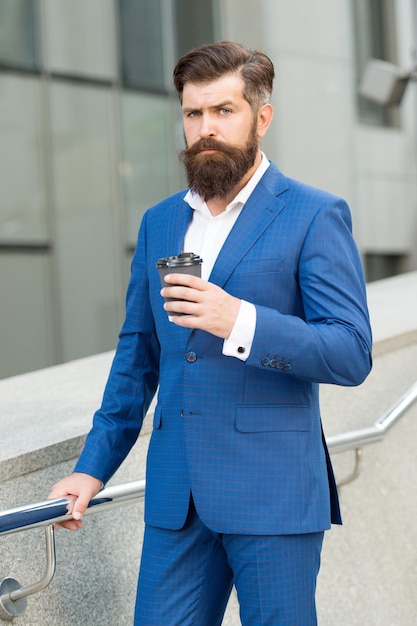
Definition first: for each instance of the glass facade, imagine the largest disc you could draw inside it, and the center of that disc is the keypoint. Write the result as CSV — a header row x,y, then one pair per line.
x,y
90,129
19,40
84,216
142,45
374,28
79,38
23,215
27,322
90,133
194,24
147,147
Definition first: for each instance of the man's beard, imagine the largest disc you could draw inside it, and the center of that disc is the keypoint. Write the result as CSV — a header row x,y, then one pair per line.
x,y
215,175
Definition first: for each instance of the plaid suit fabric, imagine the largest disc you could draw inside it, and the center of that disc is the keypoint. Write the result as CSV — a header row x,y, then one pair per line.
x,y
245,438
186,577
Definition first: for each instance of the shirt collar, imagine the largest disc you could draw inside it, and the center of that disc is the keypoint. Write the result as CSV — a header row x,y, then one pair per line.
x,y
197,203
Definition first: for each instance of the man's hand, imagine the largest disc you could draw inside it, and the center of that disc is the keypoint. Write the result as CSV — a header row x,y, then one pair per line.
x,y
79,489
208,307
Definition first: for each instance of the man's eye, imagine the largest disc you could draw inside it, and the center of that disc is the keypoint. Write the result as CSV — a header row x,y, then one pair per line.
x,y
225,111
193,114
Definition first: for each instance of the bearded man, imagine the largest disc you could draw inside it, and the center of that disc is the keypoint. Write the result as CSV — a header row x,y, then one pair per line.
x,y
239,484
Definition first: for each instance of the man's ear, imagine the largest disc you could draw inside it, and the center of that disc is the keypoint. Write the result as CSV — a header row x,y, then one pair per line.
x,y
264,117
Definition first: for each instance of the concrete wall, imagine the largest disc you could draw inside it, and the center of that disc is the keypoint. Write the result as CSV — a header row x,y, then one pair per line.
x,y
369,566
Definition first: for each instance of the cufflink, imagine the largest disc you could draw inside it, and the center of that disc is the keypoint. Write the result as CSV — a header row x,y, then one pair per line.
x,y
241,349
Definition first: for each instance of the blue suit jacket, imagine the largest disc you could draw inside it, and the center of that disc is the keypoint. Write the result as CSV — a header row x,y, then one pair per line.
x,y
245,437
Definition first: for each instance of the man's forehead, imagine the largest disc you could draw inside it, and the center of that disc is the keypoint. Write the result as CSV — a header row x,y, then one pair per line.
x,y
228,86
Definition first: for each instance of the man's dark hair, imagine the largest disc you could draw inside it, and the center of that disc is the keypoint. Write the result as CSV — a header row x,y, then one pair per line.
x,y
212,61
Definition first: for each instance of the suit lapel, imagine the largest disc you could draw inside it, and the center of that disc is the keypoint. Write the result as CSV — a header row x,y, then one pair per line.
x,y
176,227
262,208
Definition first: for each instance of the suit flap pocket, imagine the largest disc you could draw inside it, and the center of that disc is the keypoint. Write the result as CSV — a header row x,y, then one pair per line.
x,y
259,419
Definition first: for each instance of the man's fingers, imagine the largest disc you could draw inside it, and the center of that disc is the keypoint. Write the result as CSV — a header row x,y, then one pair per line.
x,y
187,280
78,488
79,507
69,525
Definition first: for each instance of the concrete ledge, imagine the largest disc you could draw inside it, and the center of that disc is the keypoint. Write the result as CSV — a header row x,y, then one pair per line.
x,y
393,310
46,414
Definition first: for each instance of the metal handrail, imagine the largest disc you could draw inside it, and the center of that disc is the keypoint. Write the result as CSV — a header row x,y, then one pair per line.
x,y
13,595
55,511
49,512
358,438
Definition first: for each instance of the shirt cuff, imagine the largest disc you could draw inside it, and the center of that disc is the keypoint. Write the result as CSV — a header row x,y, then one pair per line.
x,y
239,343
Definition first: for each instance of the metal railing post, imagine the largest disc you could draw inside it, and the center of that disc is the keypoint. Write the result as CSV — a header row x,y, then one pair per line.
x,y
13,596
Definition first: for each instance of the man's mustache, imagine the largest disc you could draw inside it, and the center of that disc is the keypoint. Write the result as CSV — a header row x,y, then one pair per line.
x,y
206,143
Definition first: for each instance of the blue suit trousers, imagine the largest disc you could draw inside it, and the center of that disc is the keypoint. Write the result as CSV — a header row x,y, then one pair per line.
x,y
186,577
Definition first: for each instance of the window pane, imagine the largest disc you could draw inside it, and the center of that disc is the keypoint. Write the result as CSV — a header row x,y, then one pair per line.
x,y
26,335
18,30
142,44
148,155
82,152
22,198
194,24
80,38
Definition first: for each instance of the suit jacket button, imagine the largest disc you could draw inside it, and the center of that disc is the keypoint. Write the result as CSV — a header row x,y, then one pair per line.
x,y
273,363
265,361
280,365
191,357
287,367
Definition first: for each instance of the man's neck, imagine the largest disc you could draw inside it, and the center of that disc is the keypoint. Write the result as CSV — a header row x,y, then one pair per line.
x,y
218,205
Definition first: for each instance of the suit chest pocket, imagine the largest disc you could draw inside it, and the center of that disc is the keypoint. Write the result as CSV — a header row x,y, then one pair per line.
x,y
259,266
258,281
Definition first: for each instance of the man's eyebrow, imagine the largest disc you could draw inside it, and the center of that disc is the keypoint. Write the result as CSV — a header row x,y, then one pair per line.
x,y
223,105
190,109
220,105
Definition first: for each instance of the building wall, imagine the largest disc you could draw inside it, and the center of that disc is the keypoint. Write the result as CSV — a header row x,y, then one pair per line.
x,y
90,129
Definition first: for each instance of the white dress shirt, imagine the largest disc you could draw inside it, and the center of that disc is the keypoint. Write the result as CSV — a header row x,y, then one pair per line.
x,y
205,236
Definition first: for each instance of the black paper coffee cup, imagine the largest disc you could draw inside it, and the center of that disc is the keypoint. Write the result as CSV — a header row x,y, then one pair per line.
x,y
184,263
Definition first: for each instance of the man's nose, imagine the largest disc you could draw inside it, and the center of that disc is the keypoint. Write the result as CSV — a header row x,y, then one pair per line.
x,y
207,128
